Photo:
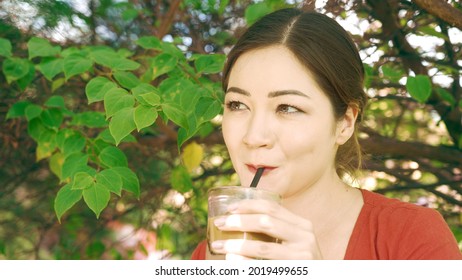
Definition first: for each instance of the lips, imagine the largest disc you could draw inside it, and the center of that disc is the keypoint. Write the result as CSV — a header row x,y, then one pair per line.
x,y
253,168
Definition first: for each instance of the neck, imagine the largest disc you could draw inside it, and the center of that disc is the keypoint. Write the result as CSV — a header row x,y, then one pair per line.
x,y
314,203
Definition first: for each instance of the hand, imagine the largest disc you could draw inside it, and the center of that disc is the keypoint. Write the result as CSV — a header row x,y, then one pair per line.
x,y
298,240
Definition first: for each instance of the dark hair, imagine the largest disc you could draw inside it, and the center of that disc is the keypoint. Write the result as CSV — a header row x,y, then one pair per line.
x,y
327,51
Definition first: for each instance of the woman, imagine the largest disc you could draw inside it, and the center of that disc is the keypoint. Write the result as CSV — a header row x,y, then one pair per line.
x,y
294,95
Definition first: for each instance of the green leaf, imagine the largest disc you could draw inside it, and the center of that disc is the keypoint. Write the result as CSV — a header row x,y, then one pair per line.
x,y
72,50
122,124
392,74
50,67
113,157
172,88
175,114
15,68
111,180
419,87
129,179
180,179
222,7
76,64
104,56
117,99
5,47
149,42
47,136
369,75
62,135
113,60
24,81
144,116
32,111
52,118
212,63
96,197
124,64
90,119
163,63
65,199
182,137
17,110
97,88
129,14
95,250
35,128
170,48
206,109
55,101
428,30
446,96
256,11
147,94
126,79
151,99
124,53
106,136
41,47
73,144
82,180
74,163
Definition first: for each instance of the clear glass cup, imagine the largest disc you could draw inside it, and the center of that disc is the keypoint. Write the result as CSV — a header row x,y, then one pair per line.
x,y
219,198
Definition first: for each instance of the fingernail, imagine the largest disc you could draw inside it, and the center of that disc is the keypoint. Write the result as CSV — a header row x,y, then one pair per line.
x,y
232,207
217,245
220,222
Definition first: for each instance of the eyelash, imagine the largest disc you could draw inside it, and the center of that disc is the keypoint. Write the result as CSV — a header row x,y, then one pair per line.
x,y
233,105
297,110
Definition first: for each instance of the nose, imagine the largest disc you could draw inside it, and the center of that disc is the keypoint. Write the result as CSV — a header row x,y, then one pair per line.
x,y
259,132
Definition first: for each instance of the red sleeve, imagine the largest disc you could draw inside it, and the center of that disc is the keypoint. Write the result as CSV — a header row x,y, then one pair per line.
x,y
199,252
388,229
424,236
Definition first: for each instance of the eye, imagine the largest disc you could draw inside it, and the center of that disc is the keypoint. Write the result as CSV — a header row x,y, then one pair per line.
x,y
288,109
236,106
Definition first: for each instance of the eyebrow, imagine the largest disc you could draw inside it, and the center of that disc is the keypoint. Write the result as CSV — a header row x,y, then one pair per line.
x,y
271,94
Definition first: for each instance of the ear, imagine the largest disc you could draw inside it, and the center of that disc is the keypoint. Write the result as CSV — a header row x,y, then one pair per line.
x,y
346,126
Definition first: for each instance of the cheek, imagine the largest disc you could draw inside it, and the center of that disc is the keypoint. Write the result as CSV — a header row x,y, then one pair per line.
x,y
231,132
302,142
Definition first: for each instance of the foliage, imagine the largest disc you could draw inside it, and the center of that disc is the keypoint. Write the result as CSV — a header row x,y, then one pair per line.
x,y
120,122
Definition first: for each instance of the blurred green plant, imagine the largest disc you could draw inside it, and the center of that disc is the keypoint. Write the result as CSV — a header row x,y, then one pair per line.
x,y
110,108
81,147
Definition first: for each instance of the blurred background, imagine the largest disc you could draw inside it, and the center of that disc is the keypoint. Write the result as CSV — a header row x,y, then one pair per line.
x,y
411,132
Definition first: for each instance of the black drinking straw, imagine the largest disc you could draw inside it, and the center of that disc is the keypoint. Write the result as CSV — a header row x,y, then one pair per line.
x,y
257,177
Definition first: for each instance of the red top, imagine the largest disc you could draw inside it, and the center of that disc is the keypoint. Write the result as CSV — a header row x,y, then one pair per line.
x,y
388,229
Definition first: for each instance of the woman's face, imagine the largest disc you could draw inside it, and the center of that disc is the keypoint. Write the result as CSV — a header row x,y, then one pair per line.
x,y
277,117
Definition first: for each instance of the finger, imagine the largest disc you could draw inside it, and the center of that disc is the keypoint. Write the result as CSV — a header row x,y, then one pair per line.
x,y
260,250
270,208
236,257
262,223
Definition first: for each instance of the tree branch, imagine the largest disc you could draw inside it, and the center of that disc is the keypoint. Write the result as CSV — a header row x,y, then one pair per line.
x,y
168,19
377,144
442,10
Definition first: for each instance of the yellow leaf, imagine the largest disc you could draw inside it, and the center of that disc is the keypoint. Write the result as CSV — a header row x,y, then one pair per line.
x,y
56,164
193,154
43,151
57,84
